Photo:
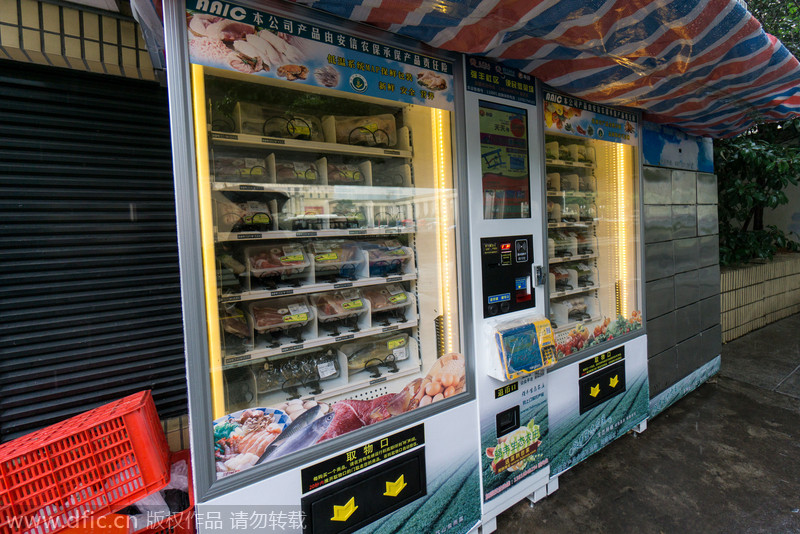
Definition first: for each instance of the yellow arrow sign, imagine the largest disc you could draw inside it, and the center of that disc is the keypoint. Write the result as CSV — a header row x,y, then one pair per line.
x,y
393,489
343,513
614,381
594,391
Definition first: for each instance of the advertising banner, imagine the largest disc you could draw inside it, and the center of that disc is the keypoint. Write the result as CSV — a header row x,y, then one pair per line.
x,y
508,459
504,161
600,399
663,146
569,115
246,40
488,77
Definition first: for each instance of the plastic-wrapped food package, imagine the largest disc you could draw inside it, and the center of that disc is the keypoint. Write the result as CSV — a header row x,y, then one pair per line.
x,y
336,258
287,315
561,276
577,309
255,119
389,301
296,172
562,245
585,243
387,257
301,370
240,168
585,275
525,345
390,174
553,181
347,214
269,263
233,321
373,130
371,355
551,150
236,214
345,174
339,308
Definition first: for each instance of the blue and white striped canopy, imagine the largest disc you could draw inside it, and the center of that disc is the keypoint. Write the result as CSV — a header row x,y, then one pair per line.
x,y
705,66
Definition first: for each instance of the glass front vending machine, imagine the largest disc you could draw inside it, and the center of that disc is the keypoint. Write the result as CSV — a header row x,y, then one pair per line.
x,y
320,232
598,389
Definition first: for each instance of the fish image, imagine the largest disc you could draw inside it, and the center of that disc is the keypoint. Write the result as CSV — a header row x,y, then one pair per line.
x,y
301,433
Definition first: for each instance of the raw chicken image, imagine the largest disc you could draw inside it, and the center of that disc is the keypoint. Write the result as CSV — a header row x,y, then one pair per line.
x,y
237,45
431,80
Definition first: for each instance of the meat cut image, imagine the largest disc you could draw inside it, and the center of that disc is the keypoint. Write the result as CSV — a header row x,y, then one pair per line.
x,y
239,46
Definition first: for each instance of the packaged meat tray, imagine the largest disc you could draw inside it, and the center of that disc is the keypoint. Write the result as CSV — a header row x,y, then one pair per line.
x,y
296,172
388,302
235,213
288,315
336,258
338,305
391,174
240,168
372,130
348,214
345,174
386,257
301,370
278,261
371,355
255,119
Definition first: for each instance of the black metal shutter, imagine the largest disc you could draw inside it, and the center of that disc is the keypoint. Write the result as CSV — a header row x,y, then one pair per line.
x,y
89,289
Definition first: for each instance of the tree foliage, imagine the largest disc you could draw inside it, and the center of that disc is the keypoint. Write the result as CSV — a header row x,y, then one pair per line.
x,y
752,173
780,18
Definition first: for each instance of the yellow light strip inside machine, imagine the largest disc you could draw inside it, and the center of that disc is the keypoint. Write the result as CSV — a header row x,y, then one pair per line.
x,y
207,238
620,170
444,194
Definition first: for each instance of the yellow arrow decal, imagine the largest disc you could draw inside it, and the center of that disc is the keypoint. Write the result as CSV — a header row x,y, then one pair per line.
x,y
393,489
614,381
343,513
595,391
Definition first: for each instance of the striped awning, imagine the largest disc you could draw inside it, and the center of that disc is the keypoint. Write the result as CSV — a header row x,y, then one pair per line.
x,y
705,66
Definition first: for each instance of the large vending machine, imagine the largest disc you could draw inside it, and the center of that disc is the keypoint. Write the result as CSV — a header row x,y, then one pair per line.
x,y
322,234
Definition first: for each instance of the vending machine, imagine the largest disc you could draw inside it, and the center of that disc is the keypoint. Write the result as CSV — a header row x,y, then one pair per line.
x,y
514,341
561,362
598,388
322,241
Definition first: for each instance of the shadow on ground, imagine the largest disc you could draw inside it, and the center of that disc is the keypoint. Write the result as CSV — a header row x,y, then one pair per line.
x,y
724,459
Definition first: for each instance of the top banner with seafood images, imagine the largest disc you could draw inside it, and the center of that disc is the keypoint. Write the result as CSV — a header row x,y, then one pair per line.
x,y
569,115
233,37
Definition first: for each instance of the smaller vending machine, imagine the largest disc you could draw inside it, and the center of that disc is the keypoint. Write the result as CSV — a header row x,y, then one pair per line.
x,y
598,388
512,335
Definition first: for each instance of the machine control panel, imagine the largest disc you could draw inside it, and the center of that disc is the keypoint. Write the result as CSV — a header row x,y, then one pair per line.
x,y
507,275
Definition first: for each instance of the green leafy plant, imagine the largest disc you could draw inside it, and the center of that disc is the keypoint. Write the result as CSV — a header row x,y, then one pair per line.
x,y
752,172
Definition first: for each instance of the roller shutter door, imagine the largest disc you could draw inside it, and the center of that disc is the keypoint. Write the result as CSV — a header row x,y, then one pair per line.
x,y
89,286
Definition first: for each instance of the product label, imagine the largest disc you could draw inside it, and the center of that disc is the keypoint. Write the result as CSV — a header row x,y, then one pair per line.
x,y
394,343
297,308
400,354
395,299
331,256
296,318
326,369
352,305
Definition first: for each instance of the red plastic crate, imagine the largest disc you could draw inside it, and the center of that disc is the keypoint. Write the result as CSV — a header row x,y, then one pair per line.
x,y
89,465
180,523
